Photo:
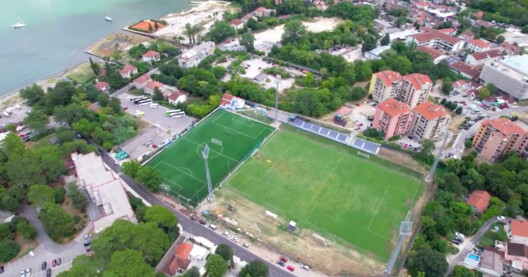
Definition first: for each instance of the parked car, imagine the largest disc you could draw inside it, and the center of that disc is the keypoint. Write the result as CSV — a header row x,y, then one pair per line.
x,y
281,263
290,268
284,259
245,245
305,267
53,263
48,272
501,218
44,265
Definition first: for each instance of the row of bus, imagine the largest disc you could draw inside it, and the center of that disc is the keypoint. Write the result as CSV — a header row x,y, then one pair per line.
x,y
174,113
143,101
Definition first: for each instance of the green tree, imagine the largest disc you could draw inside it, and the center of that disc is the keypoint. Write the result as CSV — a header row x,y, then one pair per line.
x,y
220,31
158,96
524,29
484,93
38,195
8,250
215,266
458,110
294,31
161,216
59,195
149,178
189,31
432,263
5,232
462,271
427,146
385,40
128,263
468,143
130,168
95,67
369,43
26,230
192,272
13,146
447,86
82,266
57,223
254,269
224,251
79,200
33,94
306,102
247,40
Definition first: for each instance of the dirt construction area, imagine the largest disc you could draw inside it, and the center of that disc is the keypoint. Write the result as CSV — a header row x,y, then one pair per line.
x,y
333,259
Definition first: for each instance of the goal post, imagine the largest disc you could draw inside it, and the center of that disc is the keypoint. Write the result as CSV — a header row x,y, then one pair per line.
x,y
364,155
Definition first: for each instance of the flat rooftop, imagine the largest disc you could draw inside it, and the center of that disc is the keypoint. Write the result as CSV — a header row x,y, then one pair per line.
x,y
518,63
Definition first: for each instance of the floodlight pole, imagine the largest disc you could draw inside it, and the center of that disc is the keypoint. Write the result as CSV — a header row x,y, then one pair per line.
x,y
205,156
278,78
429,176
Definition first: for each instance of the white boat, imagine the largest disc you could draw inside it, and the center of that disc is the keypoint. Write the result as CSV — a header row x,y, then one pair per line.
x,y
18,25
108,18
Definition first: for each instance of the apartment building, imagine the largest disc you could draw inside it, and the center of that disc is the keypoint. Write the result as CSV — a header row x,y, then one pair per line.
x,y
384,85
480,58
195,55
498,137
393,118
415,89
436,39
429,121
509,75
477,45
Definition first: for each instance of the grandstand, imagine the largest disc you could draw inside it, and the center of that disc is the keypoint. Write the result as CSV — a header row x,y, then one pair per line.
x,y
365,145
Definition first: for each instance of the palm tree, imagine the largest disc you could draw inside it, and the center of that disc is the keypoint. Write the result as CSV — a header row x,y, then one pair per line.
x,y
195,30
189,31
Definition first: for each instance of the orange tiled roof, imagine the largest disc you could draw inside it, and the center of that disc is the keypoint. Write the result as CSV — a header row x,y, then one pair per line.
x,y
493,53
144,26
433,52
142,79
417,80
127,69
154,84
479,43
151,54
388,77
393,107
479,199
101,85
519,228
505,126
183,250
430,111
434,34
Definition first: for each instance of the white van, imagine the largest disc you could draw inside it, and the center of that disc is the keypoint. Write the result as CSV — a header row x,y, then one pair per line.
x,y
154,105
212,226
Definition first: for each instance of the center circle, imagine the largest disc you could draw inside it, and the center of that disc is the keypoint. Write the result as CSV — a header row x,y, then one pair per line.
x,y
215,150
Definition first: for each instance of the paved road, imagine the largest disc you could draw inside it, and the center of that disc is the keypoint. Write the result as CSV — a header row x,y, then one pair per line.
x,y
46,251
468,245
196,228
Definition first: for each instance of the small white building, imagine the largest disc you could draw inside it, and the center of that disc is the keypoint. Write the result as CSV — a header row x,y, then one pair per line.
x,y
375,54
230,102
194,56
477,45
177,97
151,56
128,71
480,58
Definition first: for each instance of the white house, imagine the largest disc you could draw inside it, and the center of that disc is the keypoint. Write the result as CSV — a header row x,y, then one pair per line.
x,y
177,97
237,24
102,86
128,71
477,45
152,85
231,102
480,58
517,231
195,55
141,81
151,56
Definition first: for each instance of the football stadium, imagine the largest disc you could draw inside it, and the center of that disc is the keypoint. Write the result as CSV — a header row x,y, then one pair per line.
x,y
230,138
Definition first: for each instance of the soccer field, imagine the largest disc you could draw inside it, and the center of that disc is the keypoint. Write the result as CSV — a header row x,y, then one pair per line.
x,y
231,138
326,187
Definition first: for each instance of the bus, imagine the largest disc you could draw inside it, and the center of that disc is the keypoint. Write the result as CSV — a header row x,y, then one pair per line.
x,y
176,115
153,105
132,99
172,111
140,100
145,102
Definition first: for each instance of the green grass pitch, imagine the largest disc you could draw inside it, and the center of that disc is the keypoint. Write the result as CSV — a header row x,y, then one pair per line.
x,y
231,138
328,188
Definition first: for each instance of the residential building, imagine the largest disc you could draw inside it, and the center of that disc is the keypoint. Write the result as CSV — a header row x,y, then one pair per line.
x,y
375,54
262,12
479,14
460,85
479,200
141,81
517,231
477,45
393,118
482,23
180,260
177,97
510,49
247,17
517,255
464,69
480,58
509,75
491,263
237,24
128,71
194,56
152,85
231,102
102,86
151,56
448,31
436,54
415,89
429,121
105,189
384,85
498,137
320,5
435,38
466,36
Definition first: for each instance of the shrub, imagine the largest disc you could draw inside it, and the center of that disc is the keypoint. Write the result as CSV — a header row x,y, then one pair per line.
x,y
8,250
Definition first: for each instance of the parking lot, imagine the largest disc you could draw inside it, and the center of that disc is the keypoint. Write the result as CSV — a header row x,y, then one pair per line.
x,y
156,116
16,114
146,142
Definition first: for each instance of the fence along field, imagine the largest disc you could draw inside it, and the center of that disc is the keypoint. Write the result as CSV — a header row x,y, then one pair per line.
x,y
231,139
328,188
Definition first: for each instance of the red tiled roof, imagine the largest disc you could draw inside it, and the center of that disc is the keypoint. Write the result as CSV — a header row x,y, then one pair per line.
x,y
484,23
417,80
467,34
459,83
479,43
430,111
434,34
175,95
154,84
101,85
388,77
464,68
343,111
493,53
433,52
236,21
393,107
142,79
479,14
227,96
519,228
144,26
151,54
286,16
183,250
479,199
447,31
127,69
505,126
259,9
509,47
248,16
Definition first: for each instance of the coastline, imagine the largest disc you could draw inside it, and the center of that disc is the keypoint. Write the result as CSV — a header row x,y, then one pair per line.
x,y
12,97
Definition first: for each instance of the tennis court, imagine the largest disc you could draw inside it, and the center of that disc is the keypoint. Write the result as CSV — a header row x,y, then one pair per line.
x,y
231,139
328,188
